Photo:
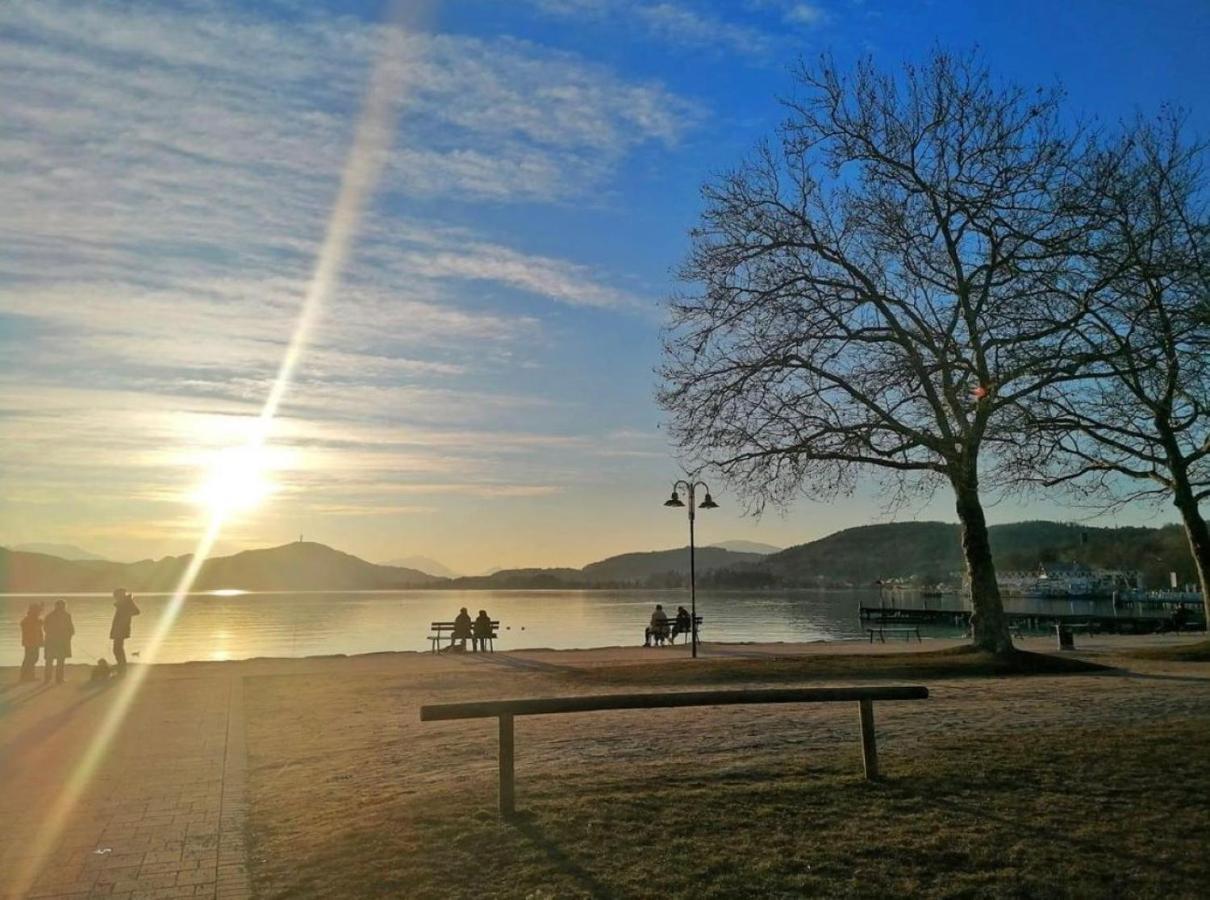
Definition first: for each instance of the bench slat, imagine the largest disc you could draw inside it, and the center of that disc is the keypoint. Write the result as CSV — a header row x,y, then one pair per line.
x,y
544,705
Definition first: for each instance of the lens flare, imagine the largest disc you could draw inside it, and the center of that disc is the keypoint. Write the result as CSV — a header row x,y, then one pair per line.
x,y
243,475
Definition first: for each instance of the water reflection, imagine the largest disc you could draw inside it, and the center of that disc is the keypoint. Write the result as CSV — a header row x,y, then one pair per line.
x,y
240,625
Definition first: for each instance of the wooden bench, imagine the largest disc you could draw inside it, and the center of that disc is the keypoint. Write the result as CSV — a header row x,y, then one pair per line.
x,y
673,634
506,710
882,631
442,630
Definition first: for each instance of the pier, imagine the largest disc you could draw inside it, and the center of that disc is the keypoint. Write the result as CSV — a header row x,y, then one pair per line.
x,y
1032,620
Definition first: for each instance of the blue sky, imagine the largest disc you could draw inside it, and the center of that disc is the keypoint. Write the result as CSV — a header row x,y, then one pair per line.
x,y
479,387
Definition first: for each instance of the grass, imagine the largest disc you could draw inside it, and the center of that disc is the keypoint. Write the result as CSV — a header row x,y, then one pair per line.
x,y
1199,652
955,662
1055,813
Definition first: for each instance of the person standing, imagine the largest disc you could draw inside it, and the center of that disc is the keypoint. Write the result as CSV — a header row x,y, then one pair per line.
x,y
58,629
31,640
124,610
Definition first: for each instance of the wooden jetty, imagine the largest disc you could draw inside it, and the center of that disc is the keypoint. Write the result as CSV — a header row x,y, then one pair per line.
x,y
1126,624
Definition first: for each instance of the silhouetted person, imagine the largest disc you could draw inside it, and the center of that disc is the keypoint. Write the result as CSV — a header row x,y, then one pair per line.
x,y
463,628
31,640
683,623
124,610
58,629
657,631
482,631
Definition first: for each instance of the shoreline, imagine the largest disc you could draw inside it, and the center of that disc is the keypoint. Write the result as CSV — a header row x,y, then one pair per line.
x,y
588,657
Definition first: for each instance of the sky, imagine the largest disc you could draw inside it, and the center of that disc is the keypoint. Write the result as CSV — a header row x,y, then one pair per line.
x,y
478,388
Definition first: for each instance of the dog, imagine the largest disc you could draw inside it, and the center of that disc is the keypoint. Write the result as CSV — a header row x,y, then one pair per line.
x,y
101,671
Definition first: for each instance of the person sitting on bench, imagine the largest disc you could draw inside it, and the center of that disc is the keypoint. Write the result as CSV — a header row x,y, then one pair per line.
x,y
682,624
482,631
657,631
462,629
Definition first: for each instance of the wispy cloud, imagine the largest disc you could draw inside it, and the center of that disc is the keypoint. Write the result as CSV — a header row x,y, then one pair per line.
x,y
723,27
167,175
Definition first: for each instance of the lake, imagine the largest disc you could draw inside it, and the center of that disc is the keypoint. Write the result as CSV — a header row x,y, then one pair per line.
x,y
217,626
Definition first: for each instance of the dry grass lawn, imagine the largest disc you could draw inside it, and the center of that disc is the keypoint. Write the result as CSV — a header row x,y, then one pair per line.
x,y
1080,785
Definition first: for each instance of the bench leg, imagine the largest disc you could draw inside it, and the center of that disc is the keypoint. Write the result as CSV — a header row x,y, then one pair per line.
x,y
869,744
507,796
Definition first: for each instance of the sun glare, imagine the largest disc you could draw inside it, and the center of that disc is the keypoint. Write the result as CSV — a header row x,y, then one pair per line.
x,y
237,480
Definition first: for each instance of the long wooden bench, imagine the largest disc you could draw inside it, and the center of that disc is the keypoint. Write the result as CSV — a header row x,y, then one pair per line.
x,y
443,630
506,710
882,631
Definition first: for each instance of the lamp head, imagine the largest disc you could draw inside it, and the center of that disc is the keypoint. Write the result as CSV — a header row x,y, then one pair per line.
x,y
708,502
674,500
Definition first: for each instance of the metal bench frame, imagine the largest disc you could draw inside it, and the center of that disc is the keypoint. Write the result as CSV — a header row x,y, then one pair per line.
x,y
506,710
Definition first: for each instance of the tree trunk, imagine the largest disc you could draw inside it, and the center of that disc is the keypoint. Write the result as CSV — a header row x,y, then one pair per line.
x,y
990,631
1198,535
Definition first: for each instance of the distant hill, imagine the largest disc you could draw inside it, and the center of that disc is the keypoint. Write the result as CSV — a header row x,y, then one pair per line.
x,y
931,550
63,551
425,564
296,566
856,556
747,547
632,567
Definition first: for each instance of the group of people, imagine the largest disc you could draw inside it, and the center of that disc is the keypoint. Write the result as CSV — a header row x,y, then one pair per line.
x,y
478,630
663,630
50,636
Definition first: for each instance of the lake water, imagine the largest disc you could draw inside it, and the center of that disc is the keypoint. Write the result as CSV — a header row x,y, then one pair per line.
x,y
216,627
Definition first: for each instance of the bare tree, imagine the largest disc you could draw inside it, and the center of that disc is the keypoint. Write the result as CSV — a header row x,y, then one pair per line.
x,y
1138,428
878,289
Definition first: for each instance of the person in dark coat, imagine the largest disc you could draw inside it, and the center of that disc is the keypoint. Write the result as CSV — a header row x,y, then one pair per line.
x,y
31,640
463,628
682,624
58,630
124,610
482,632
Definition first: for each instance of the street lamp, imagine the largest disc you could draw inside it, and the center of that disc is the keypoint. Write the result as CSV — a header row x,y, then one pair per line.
x,y
707,503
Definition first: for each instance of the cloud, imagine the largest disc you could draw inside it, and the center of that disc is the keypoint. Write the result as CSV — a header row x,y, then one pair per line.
x,y
168,177
722,27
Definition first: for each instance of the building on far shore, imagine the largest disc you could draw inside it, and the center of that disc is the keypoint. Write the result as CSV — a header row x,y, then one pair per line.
x,y
1069,579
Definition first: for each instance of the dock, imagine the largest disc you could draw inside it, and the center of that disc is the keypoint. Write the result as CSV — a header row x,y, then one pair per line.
x,y
1036,621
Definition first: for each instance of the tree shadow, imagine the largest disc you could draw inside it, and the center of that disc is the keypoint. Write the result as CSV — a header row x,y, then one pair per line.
x,y
533,832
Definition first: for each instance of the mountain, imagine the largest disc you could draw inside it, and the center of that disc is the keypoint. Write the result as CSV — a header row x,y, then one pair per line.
x,y
747,547
631,567
931,551
296,566
63,551
425,564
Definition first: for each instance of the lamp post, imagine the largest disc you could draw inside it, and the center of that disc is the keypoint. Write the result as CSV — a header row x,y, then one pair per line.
x,y
707,503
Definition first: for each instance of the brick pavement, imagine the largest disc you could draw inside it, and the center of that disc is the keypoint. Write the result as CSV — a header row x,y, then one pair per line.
x,y
163,815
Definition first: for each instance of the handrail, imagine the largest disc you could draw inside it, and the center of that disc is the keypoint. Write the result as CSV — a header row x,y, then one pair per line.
x,y
482,709
505,711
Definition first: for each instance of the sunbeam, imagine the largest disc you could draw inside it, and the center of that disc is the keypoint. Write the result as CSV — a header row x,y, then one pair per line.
x,y
363,166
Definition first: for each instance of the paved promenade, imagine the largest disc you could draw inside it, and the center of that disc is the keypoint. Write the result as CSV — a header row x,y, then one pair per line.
x,y
162,814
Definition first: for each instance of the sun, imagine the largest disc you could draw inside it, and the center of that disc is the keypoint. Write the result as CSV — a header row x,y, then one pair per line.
x,y
237,480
